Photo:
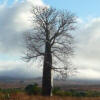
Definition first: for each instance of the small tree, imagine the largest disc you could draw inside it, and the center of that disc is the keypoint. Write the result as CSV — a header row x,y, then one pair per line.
x,y
51,41
33,89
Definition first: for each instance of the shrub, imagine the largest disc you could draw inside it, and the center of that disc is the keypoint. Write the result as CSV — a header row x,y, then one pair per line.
x,y
33,89
68,93
55,90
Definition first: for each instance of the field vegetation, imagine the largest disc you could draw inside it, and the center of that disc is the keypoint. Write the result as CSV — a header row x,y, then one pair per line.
x,y
33,92
23,96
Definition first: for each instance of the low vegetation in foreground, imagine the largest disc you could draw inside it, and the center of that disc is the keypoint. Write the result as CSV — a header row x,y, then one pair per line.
x,y
33,92
23,96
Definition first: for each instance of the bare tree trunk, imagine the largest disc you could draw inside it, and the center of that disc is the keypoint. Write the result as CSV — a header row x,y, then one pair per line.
x,y
47,72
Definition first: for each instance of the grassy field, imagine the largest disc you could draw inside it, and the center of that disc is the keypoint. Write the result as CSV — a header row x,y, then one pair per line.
x,y
33,92
23,96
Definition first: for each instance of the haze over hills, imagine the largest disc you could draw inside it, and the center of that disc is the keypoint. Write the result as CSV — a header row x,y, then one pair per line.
x,y
76,84
56,81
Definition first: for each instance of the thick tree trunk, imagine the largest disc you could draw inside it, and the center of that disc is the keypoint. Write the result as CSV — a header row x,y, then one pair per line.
x,y
47,72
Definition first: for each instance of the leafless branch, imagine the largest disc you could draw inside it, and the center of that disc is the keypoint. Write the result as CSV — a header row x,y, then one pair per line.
x,y
51,34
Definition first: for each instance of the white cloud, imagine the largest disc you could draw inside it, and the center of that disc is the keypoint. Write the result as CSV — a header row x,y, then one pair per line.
x,y
19,69
88,74
14,20
88,52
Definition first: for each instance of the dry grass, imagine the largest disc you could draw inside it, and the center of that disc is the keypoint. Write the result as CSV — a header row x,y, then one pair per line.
x,y
22,96
52,98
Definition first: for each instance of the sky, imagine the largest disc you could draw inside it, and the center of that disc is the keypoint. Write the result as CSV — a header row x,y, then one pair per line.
x,y
82,8
15,18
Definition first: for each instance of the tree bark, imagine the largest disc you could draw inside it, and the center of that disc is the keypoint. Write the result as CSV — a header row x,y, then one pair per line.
x,y
47,72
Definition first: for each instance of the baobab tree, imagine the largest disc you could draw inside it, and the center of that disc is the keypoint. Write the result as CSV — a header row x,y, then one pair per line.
x,y
50,40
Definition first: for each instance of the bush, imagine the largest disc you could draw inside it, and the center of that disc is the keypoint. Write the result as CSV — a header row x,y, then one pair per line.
x,y
55,90
33,89
68,93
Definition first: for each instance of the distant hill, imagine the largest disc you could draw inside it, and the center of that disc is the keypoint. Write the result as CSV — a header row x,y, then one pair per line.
x,y
56,81
77,84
